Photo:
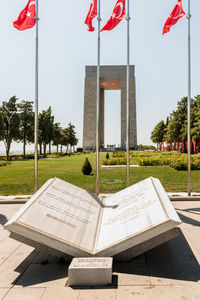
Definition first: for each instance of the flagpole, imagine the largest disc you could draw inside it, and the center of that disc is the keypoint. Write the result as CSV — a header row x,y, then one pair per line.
x,y
189,101
98,100
36,100
128,99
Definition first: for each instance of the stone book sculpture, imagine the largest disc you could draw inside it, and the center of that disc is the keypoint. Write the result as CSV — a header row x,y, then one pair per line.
x,y
78,223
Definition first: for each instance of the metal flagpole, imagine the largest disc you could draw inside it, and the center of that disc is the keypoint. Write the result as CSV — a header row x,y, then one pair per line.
x,y
98,100
189,101
36,101
128,99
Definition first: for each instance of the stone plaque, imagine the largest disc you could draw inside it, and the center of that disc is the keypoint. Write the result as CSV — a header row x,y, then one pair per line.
x,y
97,262
74,221
93,271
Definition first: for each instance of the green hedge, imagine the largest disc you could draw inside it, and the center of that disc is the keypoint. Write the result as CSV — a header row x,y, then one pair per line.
x,y
119,154
114,161
153,154
31,156
182,163
153,161
177,162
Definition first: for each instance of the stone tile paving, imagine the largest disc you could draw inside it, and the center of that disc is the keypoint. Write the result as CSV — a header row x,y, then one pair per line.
x,y
168,272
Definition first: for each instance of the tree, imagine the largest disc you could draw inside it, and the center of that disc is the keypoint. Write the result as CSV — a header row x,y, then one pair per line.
x,y
177,126
195,119
65,138
157,135
57,135
71,135
26,128
1,125
10,122
45,129
173,131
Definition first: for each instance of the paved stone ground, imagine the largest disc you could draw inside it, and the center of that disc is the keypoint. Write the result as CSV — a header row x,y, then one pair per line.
x,y
168,272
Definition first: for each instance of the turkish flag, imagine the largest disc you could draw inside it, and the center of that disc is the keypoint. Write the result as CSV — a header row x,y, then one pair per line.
x,y
27,17
118,14
91,15
176,15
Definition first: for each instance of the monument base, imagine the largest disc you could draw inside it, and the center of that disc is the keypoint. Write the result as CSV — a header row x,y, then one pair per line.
x,y
50,255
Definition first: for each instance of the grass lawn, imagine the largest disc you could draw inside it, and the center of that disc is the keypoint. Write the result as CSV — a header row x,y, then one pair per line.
x,y
18,177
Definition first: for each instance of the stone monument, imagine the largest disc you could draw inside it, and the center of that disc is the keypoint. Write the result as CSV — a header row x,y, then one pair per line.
x,y
90,271
78,223
111,78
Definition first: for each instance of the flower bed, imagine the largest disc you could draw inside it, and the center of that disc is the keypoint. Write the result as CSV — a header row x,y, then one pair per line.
x,y
114,161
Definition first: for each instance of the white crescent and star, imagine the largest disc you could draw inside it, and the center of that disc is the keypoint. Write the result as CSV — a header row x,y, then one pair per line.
x,y
29,13
121,7
178,13
31,3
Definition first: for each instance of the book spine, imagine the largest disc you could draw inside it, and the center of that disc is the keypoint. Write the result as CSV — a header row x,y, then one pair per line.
x,y
98,225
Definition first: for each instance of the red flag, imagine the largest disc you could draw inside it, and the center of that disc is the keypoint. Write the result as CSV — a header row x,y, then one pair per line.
x,y
194,146
27,17
118,14
91,15
176,15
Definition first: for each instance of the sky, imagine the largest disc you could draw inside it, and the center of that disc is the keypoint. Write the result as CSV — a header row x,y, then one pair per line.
x,y
66,47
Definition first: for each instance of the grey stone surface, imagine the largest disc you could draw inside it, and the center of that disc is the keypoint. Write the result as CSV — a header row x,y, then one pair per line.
x,y
24,294
60,293
16,264
97,294
134,293
3,292
91,271
177,292
170,271
131,274
50,275
107,73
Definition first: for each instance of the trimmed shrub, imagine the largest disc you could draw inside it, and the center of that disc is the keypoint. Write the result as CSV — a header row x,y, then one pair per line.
x,y
87,168
107,156
86,152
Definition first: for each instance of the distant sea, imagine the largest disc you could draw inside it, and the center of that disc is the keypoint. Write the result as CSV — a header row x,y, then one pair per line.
x,y
3,152
17,148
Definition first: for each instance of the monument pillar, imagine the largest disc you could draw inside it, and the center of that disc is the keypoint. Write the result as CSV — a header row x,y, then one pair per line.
x,y
89,124
123,114
111,78
101,125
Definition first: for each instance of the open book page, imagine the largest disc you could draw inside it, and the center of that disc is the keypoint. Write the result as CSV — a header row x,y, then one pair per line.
x,y
129,212
66,213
